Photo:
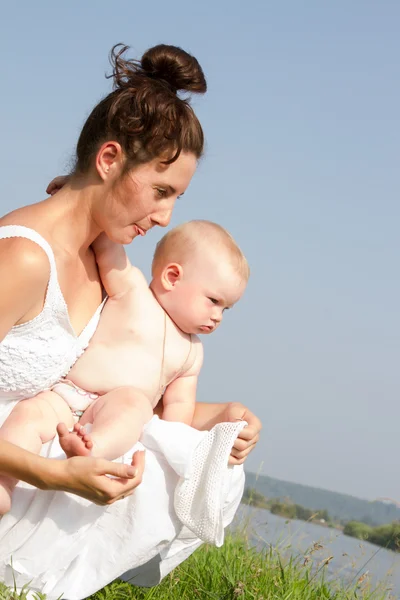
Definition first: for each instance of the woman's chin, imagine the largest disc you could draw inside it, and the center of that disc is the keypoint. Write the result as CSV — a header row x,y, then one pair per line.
x,y
124,237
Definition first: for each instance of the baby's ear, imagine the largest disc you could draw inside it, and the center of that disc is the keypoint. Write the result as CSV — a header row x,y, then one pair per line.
x,y
171,275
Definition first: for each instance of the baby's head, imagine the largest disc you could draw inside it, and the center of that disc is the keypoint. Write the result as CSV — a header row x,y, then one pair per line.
x,y
198,272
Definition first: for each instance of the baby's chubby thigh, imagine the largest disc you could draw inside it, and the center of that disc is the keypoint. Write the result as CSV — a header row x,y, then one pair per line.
x,y
58,408
117,419
43,412
123,401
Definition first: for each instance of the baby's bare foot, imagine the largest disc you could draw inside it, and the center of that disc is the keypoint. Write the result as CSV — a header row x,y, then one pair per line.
x,y
76,442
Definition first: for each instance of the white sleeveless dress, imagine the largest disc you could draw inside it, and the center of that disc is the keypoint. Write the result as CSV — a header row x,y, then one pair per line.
x,y
61,544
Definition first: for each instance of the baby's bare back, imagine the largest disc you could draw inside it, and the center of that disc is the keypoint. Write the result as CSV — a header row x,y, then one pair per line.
x,y
128,346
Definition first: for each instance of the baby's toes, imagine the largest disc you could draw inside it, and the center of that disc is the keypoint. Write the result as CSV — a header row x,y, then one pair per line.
x,y
82,433
86,437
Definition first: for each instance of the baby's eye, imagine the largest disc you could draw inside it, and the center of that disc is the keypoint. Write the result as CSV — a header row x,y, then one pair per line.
x,y
213,300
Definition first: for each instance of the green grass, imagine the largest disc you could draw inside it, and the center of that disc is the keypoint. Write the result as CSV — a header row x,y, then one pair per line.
x,y
239,572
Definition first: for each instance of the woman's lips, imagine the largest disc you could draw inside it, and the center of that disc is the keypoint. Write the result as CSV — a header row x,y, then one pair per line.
x,y
139,230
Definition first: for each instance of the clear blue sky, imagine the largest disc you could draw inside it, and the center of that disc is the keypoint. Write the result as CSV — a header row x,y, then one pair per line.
x,y
302,166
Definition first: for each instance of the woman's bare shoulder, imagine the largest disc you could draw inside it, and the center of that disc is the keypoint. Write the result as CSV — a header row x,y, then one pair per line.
x,y
22,257
24,275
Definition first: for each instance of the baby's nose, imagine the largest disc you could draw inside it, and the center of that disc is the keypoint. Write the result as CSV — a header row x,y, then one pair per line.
x,y
217,316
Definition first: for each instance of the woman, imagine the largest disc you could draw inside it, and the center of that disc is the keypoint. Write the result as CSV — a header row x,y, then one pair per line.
x,y
136,154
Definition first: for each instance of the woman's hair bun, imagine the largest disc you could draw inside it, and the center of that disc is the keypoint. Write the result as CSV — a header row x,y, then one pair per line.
x,y
144,113
170,65
179,69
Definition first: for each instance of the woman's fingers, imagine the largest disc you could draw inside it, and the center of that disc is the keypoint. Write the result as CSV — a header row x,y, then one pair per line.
x,y
248,437
99,480
122,471
241,455
248,433
243,450
125,478
238,412
238,456
117,470
244,444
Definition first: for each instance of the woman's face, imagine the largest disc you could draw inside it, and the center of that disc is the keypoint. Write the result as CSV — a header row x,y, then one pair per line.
x,y
145,197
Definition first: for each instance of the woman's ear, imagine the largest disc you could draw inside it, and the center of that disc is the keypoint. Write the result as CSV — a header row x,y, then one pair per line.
x,y
171,275
109,160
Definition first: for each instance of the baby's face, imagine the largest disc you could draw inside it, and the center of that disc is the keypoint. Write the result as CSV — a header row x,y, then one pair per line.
x,y
208,287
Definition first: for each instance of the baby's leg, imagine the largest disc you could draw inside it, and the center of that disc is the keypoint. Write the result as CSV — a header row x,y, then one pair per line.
x,y
117,421
30,424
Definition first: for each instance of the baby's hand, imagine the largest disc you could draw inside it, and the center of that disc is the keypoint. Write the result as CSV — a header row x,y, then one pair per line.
x,y
56,184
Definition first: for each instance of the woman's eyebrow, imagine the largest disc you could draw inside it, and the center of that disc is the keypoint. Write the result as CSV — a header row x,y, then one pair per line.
x,y
173,190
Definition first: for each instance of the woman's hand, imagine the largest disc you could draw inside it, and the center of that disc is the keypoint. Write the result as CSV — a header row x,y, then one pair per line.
x,y
95,479
248,437
56,184
207,415
90,479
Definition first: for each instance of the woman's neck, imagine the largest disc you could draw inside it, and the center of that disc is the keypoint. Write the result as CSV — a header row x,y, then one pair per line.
x,y
66,219
71,210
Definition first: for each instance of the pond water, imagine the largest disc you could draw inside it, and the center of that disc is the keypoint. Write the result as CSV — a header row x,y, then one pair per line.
x,y
351,557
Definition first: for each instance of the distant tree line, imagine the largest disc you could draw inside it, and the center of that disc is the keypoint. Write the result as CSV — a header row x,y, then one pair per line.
x,y
284,509
387,536
341,507
296,511
254,498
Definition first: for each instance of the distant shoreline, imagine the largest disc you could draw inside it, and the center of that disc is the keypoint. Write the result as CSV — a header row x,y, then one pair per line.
x,y
386,535
342,508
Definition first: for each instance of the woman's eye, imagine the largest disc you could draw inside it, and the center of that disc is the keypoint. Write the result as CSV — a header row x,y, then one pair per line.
x,y
161,192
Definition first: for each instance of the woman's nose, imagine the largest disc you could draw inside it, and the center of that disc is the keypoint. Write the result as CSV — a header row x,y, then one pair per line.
x,y
163,218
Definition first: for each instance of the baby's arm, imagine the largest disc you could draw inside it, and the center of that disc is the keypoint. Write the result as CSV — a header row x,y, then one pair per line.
x,y
179,398
117,273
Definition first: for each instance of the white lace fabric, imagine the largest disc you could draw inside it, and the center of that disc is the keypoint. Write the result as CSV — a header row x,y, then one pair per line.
x,y
62,545
199,495
34,355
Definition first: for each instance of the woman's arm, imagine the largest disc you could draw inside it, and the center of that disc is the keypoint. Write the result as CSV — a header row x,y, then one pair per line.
x,y
207,415
81,475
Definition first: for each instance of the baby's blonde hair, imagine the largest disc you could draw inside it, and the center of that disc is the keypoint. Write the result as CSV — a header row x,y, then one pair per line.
x,y
179,245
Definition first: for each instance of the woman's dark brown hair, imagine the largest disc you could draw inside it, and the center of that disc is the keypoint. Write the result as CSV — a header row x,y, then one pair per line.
x,y
144,113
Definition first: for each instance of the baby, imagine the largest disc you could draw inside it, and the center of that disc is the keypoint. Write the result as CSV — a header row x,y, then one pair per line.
x,y
146,346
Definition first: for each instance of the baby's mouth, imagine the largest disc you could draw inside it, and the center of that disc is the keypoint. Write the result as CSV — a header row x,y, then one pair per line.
x,y
206,328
